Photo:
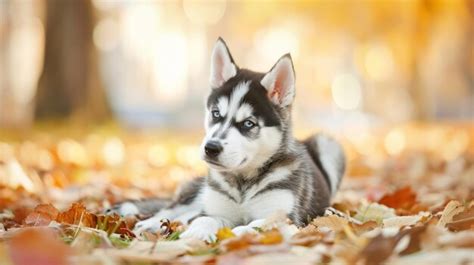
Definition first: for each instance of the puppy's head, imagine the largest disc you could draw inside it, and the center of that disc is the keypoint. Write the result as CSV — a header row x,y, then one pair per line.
x,y
247,113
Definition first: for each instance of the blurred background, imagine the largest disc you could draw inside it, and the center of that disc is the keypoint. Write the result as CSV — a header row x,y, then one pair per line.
x,y
121,84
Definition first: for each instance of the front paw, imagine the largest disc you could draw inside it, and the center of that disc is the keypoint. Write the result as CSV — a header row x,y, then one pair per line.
x,y
152,224
203,228
243,229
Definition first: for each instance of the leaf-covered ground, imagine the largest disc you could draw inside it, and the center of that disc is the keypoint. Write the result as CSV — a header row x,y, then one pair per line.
x,y
406,199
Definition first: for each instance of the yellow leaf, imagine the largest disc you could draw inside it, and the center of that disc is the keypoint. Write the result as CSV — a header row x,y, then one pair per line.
x,y
271,237
225,233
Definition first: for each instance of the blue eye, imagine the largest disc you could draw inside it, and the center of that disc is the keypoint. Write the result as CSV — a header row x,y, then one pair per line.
x,y
216,114
248,124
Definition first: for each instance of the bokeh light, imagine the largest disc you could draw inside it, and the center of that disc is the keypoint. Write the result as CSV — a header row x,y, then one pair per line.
x,y
346,92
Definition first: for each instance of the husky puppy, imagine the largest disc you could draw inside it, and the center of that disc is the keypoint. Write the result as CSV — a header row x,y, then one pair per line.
x,y
256,166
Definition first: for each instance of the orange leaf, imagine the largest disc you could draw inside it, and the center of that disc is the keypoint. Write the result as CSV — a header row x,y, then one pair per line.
x,y
403,198
78,214
42,215
237,243
271,237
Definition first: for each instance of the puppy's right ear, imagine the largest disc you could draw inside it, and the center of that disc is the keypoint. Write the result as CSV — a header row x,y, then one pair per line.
x,y
223,67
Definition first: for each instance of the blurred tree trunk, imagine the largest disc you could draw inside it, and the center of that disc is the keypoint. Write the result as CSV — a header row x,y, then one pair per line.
x,y
70,82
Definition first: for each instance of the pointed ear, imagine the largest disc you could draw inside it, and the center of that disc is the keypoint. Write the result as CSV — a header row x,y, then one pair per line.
x,y
280,82
222,64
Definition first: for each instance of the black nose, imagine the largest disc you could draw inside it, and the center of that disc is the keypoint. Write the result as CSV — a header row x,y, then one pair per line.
x,y
212,149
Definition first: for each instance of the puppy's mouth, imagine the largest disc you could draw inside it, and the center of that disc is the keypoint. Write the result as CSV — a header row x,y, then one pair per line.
x,y
214,164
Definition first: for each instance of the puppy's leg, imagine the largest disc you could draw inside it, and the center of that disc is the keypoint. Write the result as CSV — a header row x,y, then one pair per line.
x,y
186,207
182,213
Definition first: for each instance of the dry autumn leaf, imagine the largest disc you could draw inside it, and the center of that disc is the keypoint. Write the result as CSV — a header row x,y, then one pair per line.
x,y
42,215
378,250
39,246
452,208
307,236
241,242
364,227
403,198
333,222
463,220
270,237
225,233
78,215
374,212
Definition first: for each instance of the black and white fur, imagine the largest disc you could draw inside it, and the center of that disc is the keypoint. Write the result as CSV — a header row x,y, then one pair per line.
x,y
257,167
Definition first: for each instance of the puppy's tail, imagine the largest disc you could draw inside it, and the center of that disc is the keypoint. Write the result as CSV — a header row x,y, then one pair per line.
x,y
329,157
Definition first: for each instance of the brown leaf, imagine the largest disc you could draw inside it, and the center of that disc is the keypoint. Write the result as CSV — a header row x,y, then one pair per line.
x,y
403,198
415,235
39,246
379,249
463,220
333,222
307,236
364,227
42,215
20,214
78,215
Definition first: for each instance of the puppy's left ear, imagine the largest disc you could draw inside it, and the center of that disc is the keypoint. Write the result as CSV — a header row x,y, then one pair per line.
x,y
223,67
280,82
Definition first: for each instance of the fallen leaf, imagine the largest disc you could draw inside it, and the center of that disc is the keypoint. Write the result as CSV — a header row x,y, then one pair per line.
x,y
333,222
224,233
42,215
399,221
463,220
307,236
374,212
238,243
78,215
452,208
39,246
403,198
414,236
378,250
270,237
364,227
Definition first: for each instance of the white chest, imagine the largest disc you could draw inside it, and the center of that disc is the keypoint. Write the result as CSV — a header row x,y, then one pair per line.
x,y
243,209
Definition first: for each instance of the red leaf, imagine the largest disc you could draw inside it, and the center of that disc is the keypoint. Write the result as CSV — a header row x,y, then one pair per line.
x,y
403,198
